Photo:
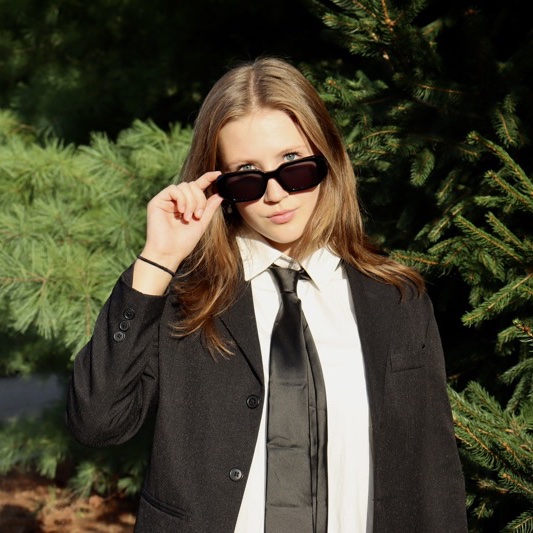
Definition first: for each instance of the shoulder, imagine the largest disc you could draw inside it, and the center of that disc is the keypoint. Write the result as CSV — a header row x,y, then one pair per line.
x,y
386,298
373,285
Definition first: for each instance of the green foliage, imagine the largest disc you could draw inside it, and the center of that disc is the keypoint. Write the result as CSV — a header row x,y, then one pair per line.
x,y
522,374
71,67
497,446
40,443
425,75
72,218
43,443
494,260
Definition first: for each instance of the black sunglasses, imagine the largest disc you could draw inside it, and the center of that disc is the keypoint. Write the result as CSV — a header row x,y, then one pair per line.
x,y
249,185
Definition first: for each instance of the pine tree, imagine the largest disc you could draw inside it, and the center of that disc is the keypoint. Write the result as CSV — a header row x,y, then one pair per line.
x,y
71,219
71,67
494,420
436,110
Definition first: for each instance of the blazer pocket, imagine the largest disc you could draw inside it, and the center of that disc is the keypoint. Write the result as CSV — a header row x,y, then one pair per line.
x,y
408,357
153,512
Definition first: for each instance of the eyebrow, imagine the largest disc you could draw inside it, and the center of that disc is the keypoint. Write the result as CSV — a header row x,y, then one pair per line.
x,y
295,148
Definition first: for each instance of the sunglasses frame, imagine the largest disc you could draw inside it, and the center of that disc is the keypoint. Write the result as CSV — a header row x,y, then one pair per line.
x,y
321,170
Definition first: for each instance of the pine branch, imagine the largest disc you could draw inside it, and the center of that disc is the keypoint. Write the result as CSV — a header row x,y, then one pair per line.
x,y
495,440
521,524
74,220
501,229
509,163
524,201
511,296
486,239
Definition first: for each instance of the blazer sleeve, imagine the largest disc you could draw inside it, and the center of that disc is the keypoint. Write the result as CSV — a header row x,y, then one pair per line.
x,y
113,384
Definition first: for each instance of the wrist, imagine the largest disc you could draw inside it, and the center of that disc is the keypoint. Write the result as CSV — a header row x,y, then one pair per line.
x,y
149,279
168,261
154,264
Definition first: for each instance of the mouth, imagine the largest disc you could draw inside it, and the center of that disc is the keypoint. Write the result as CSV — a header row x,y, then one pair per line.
x,y
282,217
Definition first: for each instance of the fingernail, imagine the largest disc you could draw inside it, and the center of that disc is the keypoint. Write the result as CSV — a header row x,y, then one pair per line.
x,y
199,213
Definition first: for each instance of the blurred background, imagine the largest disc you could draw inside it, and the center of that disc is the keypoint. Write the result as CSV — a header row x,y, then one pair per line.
x,y
97,101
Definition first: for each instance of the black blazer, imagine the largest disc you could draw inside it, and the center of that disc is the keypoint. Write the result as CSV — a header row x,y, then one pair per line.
x,y
207,412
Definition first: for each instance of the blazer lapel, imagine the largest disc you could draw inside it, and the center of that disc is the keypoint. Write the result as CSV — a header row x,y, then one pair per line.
x,y
374,322
240,322
374,325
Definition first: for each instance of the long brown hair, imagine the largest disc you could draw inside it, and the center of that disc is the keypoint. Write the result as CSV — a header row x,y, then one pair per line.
x,y
209,277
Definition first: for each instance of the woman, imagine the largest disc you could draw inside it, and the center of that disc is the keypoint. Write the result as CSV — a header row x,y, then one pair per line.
x,y
268,181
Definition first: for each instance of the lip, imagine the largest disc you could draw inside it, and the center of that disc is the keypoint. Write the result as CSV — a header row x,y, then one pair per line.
x,y
282,217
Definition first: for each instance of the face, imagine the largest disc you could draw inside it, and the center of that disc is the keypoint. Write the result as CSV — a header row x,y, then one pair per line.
x,y
264,140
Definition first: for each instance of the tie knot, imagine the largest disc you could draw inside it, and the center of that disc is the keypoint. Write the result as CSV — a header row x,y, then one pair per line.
x,y
286,278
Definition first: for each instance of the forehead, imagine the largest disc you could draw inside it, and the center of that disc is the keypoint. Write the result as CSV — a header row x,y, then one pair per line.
x,y
262,132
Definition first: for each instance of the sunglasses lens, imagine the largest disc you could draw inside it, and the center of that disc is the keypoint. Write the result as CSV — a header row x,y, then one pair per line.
x,y
300,175
242,187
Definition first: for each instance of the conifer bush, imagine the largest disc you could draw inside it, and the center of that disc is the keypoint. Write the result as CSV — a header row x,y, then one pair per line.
x,y
72,218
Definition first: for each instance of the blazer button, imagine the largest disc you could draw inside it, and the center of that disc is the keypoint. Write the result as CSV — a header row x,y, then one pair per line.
x,y
119,336
235,474
252,401
128,314
124,325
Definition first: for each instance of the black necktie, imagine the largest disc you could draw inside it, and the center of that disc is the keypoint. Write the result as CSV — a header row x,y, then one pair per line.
x,y
296,490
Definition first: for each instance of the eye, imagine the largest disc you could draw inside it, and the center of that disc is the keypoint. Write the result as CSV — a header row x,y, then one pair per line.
x,y
248,166
291,156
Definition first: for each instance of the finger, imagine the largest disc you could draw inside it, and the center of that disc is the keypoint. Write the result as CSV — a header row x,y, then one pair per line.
x,y
187,202
207,179
186,199
212,204
199,201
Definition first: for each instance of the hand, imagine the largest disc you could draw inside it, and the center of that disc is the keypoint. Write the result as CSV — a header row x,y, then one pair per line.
x,y
177,218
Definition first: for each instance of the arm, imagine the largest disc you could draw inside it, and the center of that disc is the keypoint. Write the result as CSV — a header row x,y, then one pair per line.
x,y
113,386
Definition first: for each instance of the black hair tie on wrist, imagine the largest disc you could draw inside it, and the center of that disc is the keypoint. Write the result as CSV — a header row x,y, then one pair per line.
x,y
167,270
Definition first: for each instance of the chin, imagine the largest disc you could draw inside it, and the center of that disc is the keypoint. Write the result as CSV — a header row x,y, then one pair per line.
x,y
284,246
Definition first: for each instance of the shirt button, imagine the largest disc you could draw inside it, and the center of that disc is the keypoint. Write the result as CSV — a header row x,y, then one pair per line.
x,y
252,401
235,474
119,336
128,314
124,325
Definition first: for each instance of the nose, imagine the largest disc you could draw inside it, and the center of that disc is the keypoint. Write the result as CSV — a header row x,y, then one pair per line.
x,y
274,192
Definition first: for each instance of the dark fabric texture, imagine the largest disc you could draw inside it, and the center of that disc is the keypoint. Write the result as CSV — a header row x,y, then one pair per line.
x,y
296,487
206,412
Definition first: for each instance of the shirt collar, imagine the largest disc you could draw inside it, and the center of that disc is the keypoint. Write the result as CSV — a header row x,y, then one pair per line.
x,y
257,255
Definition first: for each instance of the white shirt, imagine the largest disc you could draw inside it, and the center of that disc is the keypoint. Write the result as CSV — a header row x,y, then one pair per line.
x,y
328,308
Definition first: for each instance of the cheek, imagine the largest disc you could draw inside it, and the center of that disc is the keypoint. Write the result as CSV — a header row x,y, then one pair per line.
x,y
311,198
247,210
